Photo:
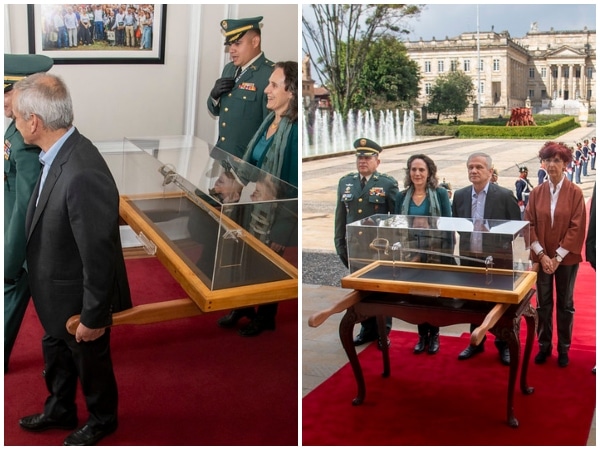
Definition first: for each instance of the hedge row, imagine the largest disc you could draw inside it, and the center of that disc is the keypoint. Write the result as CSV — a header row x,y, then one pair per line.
x,y
537,132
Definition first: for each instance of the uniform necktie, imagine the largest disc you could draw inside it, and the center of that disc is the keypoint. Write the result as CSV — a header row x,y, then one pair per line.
x,y
238,72
363,181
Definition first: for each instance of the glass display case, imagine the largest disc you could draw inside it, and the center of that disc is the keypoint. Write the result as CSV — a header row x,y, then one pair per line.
x,y
440,256
210,218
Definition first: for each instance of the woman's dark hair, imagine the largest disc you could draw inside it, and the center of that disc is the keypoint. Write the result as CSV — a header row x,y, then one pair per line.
x,y
290,71
432,181
551,148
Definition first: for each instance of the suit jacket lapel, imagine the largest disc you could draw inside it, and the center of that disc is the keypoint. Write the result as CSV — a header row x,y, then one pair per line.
x,y
53,175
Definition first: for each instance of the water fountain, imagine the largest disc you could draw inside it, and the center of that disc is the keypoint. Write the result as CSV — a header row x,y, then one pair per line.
x,y
327,133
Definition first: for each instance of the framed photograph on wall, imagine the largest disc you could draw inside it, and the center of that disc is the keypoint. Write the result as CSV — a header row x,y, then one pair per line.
x,y
98,33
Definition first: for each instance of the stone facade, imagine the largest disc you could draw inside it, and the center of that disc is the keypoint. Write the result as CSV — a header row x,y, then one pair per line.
x,y
542,70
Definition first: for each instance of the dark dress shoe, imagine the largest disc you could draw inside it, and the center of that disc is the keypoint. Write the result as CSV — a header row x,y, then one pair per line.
x,y
470,351
541,357
256,327
434,344
231,319
505,356
88,435
364,338
388,342
39,422
563,360
420,346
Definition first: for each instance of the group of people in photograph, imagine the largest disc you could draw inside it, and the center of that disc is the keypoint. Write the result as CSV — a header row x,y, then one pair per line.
x,y
115,25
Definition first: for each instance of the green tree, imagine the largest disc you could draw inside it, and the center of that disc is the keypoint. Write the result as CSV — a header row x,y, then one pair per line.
x,y
389,78
328,28
451,94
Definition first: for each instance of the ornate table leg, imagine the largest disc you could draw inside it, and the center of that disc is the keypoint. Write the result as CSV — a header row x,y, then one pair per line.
x,y
383,343
531,319
346,327
514,347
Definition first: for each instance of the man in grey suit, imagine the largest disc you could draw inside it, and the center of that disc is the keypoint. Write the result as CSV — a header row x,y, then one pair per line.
x,y
481,201
75,261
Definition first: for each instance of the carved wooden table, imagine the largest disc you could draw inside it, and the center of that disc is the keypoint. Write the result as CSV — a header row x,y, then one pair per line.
x,y
443,312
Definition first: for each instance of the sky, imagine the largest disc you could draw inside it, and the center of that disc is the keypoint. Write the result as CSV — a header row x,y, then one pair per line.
x,y
441,20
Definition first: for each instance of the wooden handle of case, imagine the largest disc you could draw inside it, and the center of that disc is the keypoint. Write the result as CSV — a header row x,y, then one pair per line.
x,y
350,299
151,313
490,320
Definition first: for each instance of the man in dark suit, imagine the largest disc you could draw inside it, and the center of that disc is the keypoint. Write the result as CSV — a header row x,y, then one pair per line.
x,y
238,97
481,201
360,195
75,261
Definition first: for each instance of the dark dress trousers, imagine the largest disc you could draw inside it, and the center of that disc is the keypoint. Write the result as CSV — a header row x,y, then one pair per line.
x,y
76,266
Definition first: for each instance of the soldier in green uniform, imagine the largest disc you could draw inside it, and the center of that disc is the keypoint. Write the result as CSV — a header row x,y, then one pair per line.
x,y
21,171
238,98
362,194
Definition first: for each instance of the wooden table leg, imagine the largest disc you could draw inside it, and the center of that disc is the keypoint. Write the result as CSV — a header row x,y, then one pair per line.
x,y
346,328
383,343
531,319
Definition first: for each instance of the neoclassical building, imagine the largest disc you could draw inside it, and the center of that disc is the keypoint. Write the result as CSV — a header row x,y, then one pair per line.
x,y
545,69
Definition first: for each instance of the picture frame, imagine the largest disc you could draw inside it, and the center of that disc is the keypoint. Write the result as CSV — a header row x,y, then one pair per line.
x,y
48,34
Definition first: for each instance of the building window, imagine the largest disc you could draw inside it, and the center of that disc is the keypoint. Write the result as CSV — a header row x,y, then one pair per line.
x,y
589,94
544,94
578,72
427,88
467,65
427,66
543,73
531,72
481,87
496,65
481,65
566,72
453,65
589,71
440,66
555,72
531,92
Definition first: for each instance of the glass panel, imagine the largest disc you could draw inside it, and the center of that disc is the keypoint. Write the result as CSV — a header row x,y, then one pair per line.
x,y
218,213
491,244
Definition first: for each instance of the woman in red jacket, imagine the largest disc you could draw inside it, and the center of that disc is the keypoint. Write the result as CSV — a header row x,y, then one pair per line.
x,y
556,212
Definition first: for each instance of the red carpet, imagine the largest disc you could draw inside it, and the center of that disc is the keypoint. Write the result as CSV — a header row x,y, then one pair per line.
x,y
184,382
439,400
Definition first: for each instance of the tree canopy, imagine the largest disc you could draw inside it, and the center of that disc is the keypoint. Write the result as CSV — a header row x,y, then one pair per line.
x,y
338,39
451,94
389,78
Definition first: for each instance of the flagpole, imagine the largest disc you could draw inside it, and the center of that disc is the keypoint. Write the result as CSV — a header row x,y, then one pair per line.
x,y
478,72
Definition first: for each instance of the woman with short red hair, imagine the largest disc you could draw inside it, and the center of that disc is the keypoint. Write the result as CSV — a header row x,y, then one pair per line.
x,y
556,212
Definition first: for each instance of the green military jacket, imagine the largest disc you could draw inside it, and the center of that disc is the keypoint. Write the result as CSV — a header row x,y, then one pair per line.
x,y
242,110
21,171
355,203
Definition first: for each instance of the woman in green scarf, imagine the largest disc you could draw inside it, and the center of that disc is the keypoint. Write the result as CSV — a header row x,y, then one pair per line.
x,y
274,149
423,197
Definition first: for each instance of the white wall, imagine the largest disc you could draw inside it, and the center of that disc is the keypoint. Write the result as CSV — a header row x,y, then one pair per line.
x,y
114,101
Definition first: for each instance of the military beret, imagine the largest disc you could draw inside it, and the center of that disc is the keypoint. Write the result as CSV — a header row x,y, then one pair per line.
x,y
366,147
523,169
234,29
17,67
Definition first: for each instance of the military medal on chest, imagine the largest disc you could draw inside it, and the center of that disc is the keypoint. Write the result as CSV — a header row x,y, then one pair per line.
x,y
7,149
347,195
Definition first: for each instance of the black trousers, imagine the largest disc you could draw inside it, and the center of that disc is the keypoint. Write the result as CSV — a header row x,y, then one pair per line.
x,y
564,281
65,361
